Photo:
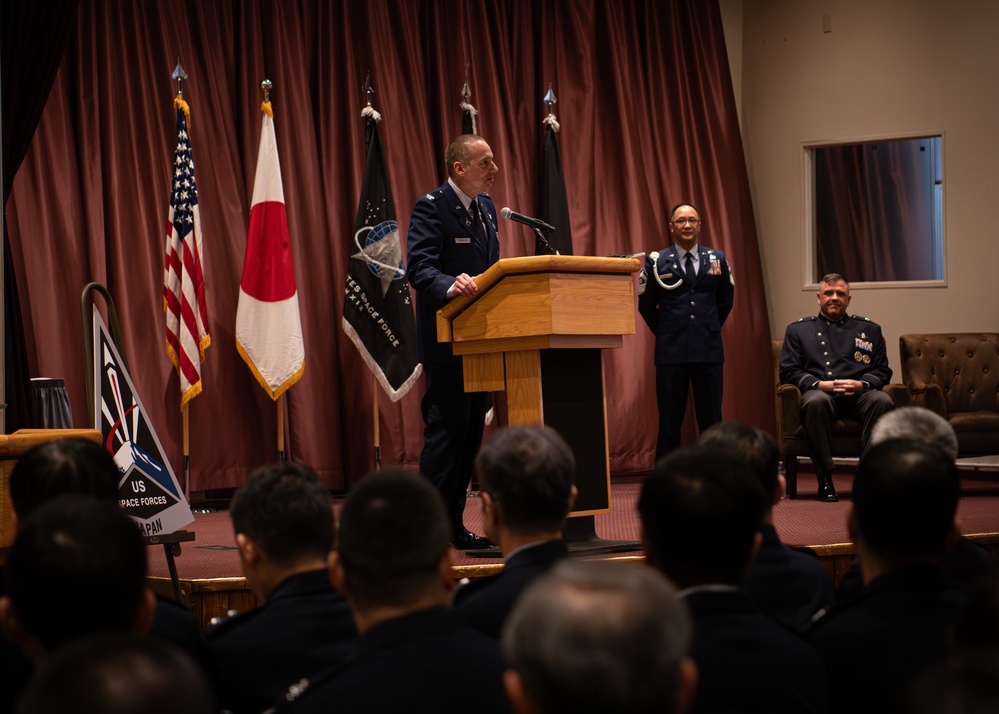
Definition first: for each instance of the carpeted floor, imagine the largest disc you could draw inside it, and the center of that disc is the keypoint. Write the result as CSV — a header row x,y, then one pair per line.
x,y
802,521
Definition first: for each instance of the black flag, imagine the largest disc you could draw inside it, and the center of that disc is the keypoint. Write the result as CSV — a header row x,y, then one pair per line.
x,y
554,206
468,112
377,308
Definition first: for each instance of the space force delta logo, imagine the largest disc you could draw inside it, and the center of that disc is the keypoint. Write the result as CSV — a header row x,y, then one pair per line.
x,y
148,491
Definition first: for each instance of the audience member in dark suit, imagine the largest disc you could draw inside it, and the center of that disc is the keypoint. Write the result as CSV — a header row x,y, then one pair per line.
x,y
969,686
901,521
393,563
66,466
966,563
121,673
84,468
57,468
283,520
685,294
526,487
599,637
77,566
969,682
452,239
787,584
701,512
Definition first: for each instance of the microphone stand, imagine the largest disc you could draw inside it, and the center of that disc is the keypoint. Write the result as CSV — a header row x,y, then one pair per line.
x,y
544,241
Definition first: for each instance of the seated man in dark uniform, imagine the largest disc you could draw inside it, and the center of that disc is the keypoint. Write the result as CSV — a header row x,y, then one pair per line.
x,y
393,563
839,363
525,485
967,563
788,584
284,527
84,468
597,636
122,673
701,512
77,567
902,520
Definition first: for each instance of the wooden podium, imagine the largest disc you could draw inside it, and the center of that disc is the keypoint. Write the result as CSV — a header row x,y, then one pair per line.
x,y
536,329
12,447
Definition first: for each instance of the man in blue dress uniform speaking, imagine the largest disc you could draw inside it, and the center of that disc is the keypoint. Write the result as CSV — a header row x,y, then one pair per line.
x,y
839,363
452,240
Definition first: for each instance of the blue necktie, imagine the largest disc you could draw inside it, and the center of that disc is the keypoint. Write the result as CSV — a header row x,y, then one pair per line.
x,y
688,266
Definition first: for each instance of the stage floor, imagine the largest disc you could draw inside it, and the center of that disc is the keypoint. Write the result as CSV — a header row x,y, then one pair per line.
x,y
803,521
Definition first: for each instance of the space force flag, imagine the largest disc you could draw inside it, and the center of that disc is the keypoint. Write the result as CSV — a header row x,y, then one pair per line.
x,y
268,322
377,308
148,491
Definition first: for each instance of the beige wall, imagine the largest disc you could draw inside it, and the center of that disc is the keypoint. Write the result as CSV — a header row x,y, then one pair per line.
x,y
887,68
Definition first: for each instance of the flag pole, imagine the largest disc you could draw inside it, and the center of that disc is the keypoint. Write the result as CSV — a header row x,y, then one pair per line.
x,y
375,427
180,75
187,454
280,428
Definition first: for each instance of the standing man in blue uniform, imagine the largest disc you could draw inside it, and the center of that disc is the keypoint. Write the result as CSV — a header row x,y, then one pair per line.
x,y
840,364
684,295
452,240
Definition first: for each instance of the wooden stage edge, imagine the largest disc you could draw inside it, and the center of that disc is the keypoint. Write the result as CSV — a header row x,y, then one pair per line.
x,y
216,597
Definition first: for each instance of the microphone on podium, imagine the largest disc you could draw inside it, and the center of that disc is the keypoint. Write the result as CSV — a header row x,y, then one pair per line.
x,y
535,223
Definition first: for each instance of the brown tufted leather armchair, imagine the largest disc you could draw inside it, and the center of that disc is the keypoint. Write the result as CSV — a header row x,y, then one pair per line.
x,y
791,436
956,375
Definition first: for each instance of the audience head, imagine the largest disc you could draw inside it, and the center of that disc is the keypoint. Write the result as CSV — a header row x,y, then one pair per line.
x,y
752,446
916,423
286,512
599,637
904,500
77,566
526,479
121,673
393,548
701,511
66,466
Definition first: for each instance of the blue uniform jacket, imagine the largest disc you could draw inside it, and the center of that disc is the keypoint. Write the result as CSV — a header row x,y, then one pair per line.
x,y
442,244
818,349
687,320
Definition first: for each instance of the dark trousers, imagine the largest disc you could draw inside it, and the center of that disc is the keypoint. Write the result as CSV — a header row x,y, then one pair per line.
x,y
452,434
673,382
820,409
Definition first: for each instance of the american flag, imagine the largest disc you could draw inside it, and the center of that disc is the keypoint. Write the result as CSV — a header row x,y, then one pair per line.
x,y
187,335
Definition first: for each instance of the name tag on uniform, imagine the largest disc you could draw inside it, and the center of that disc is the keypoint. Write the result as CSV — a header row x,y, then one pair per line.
x,y
463,239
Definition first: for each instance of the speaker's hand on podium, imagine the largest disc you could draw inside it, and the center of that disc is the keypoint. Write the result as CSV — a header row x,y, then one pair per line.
x,y
463,285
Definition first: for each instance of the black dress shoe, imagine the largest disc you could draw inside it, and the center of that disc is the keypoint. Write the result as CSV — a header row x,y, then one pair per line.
x,y
827,492
470,541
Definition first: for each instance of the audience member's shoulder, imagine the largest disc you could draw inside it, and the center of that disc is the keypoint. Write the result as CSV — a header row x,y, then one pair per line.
x,y
472,589
222,626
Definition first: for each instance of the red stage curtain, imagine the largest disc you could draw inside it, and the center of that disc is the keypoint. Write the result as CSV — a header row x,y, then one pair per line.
x,y
648,120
